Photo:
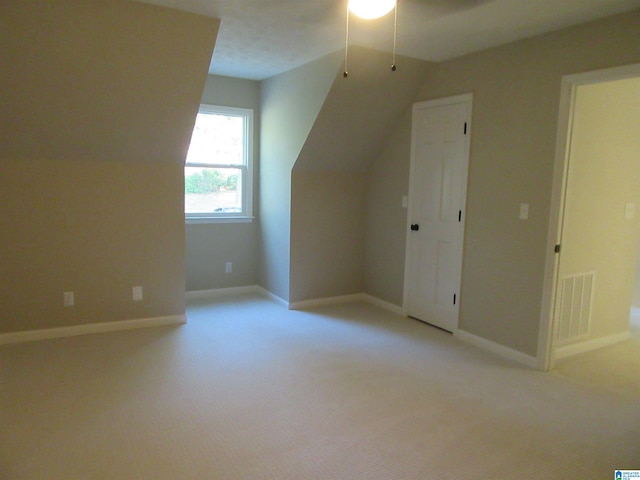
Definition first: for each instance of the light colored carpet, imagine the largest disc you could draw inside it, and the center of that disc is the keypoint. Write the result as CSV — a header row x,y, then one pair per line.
x,y
249,390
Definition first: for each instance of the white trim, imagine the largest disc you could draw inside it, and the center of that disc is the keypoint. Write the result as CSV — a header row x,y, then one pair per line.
x,y
220,292
569,84
389,307
203,219
90,329
280,301
247,186
589,345
318,302
223,292
496,348
605,75
554,236
356,297
439,102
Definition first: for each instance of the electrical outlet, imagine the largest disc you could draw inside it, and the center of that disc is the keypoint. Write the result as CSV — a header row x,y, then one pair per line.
x,y
67,299
137,294
228,267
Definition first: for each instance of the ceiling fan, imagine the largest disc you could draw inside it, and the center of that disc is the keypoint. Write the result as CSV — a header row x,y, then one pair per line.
x,y
372,9
324,13
320,11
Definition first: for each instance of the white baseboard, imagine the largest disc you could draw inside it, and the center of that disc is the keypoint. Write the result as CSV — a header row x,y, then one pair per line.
x,y
589,345
272,296
89,329
221,292
496,348
389,307
318,302
356,297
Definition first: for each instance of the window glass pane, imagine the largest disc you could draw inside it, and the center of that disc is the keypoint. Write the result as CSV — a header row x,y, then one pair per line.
x,y
212,190
217,139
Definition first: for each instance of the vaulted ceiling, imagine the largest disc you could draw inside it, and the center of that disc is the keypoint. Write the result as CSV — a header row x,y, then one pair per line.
x,y
261,38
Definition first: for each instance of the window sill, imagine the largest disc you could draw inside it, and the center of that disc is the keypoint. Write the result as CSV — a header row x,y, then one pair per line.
x,y
198,220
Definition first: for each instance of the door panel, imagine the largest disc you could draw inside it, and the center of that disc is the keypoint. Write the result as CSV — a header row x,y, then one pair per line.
x,y
439,161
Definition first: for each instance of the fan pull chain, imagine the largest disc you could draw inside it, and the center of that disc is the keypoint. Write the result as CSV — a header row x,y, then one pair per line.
x,y
346,46
395,38
345,74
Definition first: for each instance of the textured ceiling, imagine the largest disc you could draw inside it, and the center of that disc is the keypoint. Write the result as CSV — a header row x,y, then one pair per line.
x,y
261,38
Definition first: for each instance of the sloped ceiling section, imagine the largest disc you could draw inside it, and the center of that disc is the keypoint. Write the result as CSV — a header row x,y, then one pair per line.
x,y
290,106
100,80
360,111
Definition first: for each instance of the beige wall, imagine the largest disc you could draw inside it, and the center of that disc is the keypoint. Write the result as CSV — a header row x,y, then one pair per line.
x,y
330,174
209,246
100,80
98,103
360,111
604,175
516,91
386,224
95,228
327,234
290,103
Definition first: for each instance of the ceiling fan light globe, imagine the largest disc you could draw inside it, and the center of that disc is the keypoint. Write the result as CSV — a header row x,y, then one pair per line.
x,y
370,9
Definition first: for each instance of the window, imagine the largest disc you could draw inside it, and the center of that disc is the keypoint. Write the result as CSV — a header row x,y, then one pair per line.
x,y
218,170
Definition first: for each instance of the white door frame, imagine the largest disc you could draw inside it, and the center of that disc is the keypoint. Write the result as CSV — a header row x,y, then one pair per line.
x,y
464,98
570,83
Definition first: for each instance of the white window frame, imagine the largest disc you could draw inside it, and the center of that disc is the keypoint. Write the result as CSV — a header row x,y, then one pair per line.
x,y
246,216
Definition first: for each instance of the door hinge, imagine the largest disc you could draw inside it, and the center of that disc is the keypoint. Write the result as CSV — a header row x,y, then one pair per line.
x,y
459,215
557,249
465,128
455,297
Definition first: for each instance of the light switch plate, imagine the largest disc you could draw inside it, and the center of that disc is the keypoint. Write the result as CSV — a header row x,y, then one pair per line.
x,y
524,211
137,294
67,299
629,211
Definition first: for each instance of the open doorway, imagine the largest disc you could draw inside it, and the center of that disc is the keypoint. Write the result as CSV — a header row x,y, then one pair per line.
x,y
597,195
634,325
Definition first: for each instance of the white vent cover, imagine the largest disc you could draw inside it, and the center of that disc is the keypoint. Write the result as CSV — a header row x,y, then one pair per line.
x,y
576,300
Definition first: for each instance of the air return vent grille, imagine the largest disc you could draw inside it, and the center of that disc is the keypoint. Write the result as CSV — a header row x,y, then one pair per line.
x,y
576,300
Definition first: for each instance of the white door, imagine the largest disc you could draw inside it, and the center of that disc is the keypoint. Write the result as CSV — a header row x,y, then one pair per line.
x,y
437,195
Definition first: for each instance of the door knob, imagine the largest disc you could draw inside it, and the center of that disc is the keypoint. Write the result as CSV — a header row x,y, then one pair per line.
x,y
415,227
